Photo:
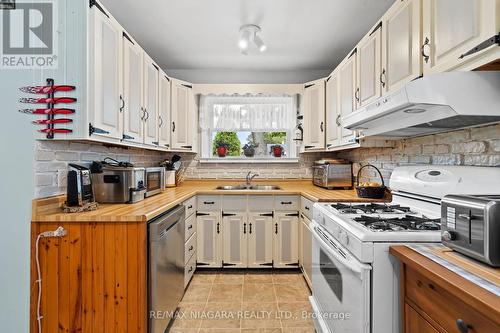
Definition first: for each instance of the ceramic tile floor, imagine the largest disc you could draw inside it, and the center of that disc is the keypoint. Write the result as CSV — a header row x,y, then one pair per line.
x,y
245,302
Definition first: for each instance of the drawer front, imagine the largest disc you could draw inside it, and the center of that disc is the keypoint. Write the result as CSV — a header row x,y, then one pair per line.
x,y
442,306
189,248
286,203
260,203
234,203
209,203
190,205
190,226
189,270
306,207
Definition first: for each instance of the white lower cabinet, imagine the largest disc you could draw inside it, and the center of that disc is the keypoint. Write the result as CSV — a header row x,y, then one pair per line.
x,y
260,240
286,238
305,248
234,231
209,239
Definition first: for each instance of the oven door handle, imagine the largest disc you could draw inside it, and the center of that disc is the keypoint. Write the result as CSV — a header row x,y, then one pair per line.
x,y
353,265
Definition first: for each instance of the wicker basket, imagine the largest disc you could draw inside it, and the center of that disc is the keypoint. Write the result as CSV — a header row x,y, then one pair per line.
x,y
370,192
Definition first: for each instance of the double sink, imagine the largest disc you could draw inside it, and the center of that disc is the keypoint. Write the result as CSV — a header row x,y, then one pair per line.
x,y
248,187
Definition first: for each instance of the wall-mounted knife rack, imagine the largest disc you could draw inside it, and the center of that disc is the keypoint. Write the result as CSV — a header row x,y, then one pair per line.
x,y
50,116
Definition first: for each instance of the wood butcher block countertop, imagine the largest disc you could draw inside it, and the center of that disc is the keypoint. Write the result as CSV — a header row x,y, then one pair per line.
x,y
48,209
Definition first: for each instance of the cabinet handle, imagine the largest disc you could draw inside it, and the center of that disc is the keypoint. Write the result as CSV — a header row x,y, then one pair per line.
x,y
426,56
356,95
160,121
276,228
190,206
190,226
462,326
143,113
286,202
190,269
208,202
122,104
218,227
173,126
382,78
146,113
244,228
250,228
307,147
338,120
191,248
321,126
306,207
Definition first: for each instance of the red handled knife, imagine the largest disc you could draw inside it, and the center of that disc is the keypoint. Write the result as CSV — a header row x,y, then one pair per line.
x,y
46,89
55,130
48,111
46,100
52,121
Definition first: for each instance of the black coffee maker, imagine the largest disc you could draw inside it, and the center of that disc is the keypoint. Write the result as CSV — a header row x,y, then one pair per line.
x,y
79,189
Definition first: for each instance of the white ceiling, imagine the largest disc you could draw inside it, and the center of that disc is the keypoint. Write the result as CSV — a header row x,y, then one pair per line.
x,y
306,38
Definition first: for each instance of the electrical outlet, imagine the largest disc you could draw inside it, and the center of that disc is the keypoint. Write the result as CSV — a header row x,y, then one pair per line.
x,y
62,178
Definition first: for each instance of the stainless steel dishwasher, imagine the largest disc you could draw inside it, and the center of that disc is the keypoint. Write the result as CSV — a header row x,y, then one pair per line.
x,y
166,267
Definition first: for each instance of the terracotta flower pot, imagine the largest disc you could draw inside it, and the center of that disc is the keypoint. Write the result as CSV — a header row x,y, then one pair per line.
x,y
221,151
277,151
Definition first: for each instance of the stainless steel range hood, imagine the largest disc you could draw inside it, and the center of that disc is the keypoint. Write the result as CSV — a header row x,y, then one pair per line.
x,y
432,104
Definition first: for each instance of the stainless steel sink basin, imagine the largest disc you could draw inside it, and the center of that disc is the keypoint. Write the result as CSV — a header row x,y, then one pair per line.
x,y
246,187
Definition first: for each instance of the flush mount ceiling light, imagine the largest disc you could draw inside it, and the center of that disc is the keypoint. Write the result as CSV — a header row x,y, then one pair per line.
x,y
248,36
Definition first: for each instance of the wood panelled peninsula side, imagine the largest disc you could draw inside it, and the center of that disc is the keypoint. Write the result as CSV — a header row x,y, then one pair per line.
x,y
93,279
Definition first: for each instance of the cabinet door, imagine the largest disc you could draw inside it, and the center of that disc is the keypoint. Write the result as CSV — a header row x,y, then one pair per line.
x,y
286,240
368,72
164,114
415,323
306,248
260,240
133,79
209,239
453,27
182,107
347,88
151,83
105,40
235,239
314,115
401,57
332,112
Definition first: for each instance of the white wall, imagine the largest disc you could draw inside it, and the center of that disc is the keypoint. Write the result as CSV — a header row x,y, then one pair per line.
x,y
247,76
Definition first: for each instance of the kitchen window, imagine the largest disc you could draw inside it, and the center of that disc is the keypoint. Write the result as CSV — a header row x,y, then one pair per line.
x,y
249,128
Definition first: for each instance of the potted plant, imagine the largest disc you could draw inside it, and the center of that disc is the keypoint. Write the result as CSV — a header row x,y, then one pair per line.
x,y
277,150
222,148
249,149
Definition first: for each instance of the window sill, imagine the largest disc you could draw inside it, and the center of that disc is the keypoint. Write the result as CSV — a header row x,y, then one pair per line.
x,y
250,160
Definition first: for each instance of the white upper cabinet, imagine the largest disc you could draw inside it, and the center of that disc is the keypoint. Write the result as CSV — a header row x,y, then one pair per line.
x,y
151,83
164,114
132,95
453,27
105,40
260,240
402,61
314,115
332,111
183,120
347,92
369,67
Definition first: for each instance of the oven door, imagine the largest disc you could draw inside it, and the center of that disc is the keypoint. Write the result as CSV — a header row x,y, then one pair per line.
x,y
340,286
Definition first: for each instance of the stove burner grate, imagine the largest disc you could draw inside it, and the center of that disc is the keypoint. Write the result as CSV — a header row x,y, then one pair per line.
x,y
408,222
371,208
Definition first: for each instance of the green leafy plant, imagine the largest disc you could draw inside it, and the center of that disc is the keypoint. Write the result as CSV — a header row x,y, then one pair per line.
x,y
229,140
278,138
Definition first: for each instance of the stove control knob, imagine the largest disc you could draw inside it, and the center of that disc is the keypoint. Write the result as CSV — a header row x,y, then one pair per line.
x,y
448,236
344,239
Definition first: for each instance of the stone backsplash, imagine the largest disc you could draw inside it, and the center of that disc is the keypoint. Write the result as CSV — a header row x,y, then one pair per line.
x,y
473,147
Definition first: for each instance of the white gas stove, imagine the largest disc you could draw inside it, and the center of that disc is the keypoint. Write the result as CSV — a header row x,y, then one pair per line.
x,y
353,272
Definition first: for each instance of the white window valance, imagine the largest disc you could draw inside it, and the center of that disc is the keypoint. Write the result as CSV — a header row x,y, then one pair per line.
x,y
248,113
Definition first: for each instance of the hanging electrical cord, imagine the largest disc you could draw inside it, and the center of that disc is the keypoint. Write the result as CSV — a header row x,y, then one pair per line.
x,y
59,232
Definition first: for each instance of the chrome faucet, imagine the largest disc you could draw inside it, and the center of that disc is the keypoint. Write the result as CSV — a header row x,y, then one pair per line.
x,y
250,177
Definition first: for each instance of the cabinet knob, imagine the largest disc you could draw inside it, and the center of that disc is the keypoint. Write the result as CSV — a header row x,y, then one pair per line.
x,y
462,326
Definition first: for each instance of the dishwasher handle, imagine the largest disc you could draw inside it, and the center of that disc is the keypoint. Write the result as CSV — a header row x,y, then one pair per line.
x,y
159,226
